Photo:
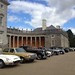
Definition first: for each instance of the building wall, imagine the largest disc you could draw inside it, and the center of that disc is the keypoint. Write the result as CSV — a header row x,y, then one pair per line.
x,y
50,40
47,41
58,40
53,40
64,41
3,26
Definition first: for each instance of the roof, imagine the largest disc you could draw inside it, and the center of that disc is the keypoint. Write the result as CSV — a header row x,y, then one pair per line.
x,y
50,27
37,29
50,30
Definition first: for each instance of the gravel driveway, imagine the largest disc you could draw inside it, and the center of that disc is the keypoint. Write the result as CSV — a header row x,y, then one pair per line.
x,y
55,65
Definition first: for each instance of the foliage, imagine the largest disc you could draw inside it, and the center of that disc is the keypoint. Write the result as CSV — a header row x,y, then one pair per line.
x,y
71,37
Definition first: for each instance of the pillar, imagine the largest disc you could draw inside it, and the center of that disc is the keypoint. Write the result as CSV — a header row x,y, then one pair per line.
x,y
39,41
9,41
17,41
31,41
13,41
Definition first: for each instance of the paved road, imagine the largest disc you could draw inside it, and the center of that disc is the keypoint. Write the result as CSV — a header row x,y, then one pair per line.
x,y
56,65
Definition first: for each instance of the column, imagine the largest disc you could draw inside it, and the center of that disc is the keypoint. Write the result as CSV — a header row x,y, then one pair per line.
x,y
13,41
9,41
35,41
39,41
26,40
17,41
31,41
22,41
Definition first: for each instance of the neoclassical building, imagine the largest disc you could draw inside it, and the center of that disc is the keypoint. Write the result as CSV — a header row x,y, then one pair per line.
x,y
43,36
3,23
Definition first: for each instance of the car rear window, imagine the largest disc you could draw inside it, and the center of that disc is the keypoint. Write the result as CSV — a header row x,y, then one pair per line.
x,y
6,50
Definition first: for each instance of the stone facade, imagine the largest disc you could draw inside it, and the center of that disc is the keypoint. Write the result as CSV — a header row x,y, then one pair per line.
x,y
3,22
49,37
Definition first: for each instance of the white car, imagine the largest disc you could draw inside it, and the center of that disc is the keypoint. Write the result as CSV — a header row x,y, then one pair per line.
x,y
8,60
48,53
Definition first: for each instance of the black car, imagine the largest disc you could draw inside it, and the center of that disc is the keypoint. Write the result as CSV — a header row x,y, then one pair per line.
x,y
41,54
66,50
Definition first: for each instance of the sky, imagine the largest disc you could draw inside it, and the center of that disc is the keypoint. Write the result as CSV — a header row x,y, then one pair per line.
x,y
28,14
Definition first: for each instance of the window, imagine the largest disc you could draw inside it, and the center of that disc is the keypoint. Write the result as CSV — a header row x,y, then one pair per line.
x,y
1,5
0,21
52,42
52,36
6,50
11,50
20,50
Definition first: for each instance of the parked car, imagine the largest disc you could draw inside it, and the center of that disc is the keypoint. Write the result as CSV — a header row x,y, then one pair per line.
x,y
8,60
62,51
55,50
41,54
49,52
66,50
25,56
58,50
71,49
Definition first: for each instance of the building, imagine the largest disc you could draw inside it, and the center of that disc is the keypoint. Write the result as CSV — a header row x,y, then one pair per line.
x,y
43,36
3,22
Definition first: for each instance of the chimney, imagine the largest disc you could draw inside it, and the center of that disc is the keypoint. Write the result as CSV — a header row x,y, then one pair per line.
x,y
43,24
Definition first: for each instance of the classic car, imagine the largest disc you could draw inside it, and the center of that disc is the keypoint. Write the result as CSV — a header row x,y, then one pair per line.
x,y
8,60
24,56
41,53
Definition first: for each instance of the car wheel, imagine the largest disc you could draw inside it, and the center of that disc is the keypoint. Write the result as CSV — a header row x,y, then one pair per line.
x,y
39,57
22,60
32,60
1,64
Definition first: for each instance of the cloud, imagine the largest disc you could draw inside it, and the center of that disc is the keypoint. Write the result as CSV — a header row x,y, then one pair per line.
x,y
13,18
34,9
56,13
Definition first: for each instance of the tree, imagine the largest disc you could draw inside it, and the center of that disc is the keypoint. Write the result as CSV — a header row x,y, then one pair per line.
x,y
71,38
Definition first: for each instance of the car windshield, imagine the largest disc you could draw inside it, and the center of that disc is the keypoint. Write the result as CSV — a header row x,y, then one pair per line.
x,y
20,50
6,50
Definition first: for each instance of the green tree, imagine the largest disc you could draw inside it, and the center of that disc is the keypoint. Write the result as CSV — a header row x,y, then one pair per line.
x,y
71,38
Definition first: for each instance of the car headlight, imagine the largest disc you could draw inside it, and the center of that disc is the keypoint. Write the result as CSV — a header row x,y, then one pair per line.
x,y
28,56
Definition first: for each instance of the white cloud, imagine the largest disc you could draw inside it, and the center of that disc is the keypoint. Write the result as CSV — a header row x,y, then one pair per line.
x,y
13,18
57,13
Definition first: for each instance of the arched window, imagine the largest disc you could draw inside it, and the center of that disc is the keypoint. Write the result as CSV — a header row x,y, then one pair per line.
x,y
52,42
